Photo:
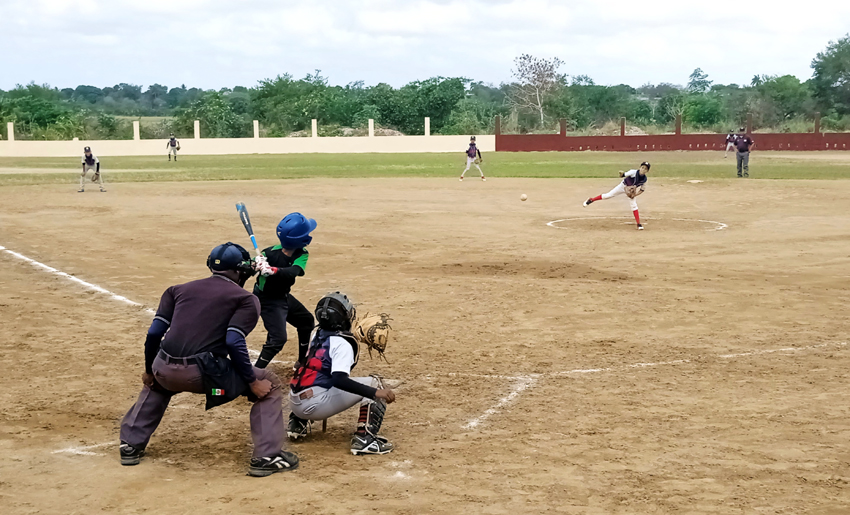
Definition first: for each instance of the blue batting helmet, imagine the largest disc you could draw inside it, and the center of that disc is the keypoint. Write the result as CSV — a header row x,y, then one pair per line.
x,y
294,231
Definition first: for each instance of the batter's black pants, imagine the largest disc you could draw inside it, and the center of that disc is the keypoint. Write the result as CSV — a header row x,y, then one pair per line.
x,y
276,313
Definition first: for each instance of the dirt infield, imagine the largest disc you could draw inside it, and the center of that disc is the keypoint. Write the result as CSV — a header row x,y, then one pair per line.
x,y
583,368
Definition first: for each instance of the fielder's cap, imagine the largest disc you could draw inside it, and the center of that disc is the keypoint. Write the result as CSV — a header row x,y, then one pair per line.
x,y
472,138
87,149
646,164
742,129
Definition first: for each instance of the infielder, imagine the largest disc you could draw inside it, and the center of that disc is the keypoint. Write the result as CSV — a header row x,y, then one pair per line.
x,y
173,146
634,182
730,142
473,156
90,163
321,387
202,322
279,266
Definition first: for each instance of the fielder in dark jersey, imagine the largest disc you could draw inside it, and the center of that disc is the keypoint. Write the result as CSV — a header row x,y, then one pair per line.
x,y
199,319
279,266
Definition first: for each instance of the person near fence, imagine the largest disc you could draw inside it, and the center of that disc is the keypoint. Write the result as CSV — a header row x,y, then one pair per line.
x,y
730,142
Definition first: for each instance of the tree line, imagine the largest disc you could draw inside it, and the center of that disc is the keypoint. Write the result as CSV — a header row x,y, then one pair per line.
x,y
533,100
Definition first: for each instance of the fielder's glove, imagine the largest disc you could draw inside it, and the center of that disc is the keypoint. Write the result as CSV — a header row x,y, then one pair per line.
x,y
477,161
178,147
631,191
373,331
95,177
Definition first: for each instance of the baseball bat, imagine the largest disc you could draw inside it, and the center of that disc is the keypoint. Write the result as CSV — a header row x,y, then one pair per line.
x,y
246,222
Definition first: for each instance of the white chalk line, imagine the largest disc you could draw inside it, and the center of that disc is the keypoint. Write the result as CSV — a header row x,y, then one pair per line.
x,y
84,451
720,225
85,284
522,383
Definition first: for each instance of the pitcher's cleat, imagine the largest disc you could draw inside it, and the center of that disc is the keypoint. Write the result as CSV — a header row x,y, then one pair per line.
x,y
461,179
588,202
482,178
640,227
262,467
368,444
129,454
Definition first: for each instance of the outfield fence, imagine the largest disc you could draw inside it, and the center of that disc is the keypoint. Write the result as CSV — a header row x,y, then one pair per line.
x,y
256,145
560,142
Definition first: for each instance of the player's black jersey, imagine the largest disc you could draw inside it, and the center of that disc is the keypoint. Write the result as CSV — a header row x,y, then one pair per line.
x,y
278,285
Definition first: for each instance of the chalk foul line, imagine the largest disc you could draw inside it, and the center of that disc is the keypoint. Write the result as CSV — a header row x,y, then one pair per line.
x,y
85,284
522,383
84,451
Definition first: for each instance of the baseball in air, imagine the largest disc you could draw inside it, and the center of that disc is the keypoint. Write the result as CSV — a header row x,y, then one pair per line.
x,y
523,197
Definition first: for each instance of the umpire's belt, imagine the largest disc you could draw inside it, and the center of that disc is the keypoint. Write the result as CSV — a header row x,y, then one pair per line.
x,y
173,360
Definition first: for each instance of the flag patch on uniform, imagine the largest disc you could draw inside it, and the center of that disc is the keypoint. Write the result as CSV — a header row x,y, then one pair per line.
x,y
217,391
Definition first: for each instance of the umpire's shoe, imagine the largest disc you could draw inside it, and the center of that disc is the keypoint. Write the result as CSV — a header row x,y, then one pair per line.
x,y
129,454
368,444
262,467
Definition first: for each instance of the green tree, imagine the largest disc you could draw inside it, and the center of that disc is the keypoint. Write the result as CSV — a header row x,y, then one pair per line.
x,y
698,82
215,115
831,79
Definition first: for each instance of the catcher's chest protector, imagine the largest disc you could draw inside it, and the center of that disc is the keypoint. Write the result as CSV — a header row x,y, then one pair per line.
x,y
317,370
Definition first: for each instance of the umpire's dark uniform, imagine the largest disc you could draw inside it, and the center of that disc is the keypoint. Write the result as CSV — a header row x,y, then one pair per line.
x,y
205,319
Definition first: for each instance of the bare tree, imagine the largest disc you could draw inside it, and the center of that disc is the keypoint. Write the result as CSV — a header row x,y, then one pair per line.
x,y
536,79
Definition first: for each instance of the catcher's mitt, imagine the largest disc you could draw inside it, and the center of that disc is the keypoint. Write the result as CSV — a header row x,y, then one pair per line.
x,y
631,191
373,331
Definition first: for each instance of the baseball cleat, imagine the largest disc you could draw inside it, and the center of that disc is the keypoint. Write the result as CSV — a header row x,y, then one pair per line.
x,y
461,178
129,454
297,427
368,444
588,202
482,178
262,467
640,227
81,190
102,190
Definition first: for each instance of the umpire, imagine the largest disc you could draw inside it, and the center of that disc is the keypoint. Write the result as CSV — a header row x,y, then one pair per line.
x,y
203,322
743,143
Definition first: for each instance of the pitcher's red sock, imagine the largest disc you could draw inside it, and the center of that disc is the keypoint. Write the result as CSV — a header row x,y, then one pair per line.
x,y
597,197
637,216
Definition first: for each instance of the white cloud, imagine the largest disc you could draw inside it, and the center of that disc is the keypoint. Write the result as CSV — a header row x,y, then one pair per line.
x,y
216,43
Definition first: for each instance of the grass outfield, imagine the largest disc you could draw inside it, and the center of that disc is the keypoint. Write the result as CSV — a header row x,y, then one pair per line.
x,y
688,165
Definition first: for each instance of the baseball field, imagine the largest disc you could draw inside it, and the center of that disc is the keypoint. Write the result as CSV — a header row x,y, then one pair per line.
x,y
547,357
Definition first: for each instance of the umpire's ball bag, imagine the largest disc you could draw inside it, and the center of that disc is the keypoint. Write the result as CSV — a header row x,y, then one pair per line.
x,y
221,383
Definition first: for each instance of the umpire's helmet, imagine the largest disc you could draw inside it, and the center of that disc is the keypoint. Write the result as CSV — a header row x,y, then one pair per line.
x,y
230,256
335,312
294,231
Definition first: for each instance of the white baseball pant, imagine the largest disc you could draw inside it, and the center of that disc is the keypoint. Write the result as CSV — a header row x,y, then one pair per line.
x,y
326,403
620,189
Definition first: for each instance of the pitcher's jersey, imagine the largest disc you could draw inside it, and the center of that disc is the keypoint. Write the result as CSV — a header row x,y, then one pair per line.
x,y
633,178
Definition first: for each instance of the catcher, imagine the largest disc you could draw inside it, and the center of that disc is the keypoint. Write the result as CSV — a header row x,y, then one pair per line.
x,y
633,184
321,387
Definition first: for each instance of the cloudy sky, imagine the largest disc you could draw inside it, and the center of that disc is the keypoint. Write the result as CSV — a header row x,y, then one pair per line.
x,y
218,43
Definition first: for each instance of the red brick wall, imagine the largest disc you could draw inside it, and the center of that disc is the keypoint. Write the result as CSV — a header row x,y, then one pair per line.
x,y
559,143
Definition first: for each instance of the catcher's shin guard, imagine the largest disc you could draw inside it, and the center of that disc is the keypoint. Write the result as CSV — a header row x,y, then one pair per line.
x,y
372,414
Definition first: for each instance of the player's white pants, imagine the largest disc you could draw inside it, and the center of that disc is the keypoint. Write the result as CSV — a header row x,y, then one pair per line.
x,y
730,146
471,161
326,403
620,189
172,150
93,169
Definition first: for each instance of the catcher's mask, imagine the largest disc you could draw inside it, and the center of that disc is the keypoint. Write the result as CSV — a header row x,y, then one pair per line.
x,y
335,312
230,256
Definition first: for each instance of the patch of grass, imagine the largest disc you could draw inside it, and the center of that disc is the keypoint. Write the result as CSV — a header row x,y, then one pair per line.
x,y
688,165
